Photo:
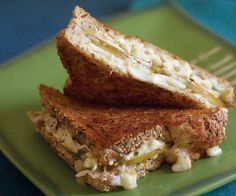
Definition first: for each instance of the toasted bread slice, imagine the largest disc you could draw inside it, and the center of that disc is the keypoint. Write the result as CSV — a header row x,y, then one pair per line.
x,y
114,146
108,67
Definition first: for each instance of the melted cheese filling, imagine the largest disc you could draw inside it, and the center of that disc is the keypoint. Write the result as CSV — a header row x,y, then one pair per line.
x,y
65,138
214,151
145,148
127,176
183,162
146,63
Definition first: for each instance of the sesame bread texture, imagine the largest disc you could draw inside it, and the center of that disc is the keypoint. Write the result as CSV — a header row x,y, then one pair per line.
x,y
99,182
95,123
110,132
108,67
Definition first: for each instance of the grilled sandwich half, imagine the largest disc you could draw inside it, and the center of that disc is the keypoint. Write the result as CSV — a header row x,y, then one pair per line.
x,y
112,147
106,66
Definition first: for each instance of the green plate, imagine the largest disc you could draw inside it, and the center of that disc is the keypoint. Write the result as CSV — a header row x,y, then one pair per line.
x,y
19,79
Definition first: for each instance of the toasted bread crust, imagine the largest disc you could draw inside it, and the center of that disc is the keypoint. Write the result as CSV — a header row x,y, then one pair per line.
x,y
194,130
55,145
102,183
96,82
98,183
94,124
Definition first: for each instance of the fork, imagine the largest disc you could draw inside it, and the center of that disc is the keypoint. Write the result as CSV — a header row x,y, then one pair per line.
x,y
224,67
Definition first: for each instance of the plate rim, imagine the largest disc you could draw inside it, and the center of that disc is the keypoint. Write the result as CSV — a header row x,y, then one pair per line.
x,y
52,190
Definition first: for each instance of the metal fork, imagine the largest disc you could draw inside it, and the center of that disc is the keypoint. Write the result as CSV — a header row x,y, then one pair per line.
x,y
224,67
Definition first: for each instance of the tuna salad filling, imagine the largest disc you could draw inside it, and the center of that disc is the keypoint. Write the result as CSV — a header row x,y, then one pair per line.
x,y
147,62
125,171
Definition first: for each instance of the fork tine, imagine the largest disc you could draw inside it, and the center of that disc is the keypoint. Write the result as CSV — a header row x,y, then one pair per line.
x,y
225,68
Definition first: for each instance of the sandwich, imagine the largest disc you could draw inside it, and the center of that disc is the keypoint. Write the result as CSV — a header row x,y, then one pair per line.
x,y
108,67
113,146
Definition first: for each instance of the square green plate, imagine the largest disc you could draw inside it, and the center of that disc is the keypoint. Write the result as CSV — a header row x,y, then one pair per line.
x,y
19,79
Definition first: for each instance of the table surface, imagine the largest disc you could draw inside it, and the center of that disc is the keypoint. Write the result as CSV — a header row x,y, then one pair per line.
x,y
27,23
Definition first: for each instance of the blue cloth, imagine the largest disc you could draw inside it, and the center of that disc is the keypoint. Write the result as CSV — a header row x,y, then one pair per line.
x,y
26,23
